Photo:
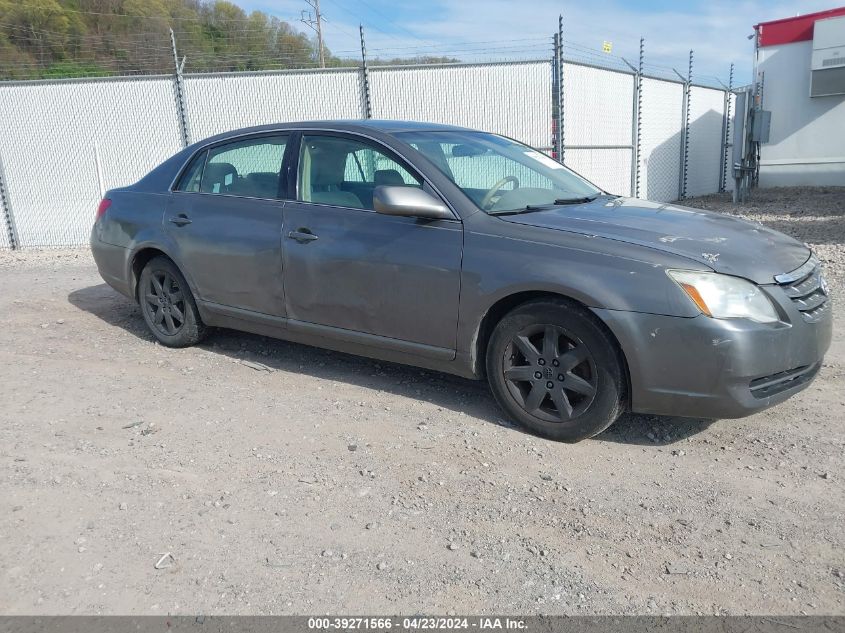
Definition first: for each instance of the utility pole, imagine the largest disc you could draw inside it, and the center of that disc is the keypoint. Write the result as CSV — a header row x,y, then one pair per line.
x,y
315,21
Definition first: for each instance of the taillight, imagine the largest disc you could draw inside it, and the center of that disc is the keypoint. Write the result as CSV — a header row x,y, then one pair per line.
x,y
105,203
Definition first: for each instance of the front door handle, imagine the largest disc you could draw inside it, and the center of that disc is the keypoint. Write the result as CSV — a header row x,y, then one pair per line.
x,y
181,220
302,236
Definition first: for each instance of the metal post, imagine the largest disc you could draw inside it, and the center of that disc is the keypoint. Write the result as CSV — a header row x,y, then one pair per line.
x,y
638,122
555,97
682,189
754,179
560,147
6,207
365,77
181,105
726,132
99,167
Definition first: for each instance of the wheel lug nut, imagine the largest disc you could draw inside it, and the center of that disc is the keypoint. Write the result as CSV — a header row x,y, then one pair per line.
x,y
555,362
542,361
538,375
560,377
550,385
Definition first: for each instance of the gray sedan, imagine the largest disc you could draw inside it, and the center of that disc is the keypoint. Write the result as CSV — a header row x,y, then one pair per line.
x,y
473,254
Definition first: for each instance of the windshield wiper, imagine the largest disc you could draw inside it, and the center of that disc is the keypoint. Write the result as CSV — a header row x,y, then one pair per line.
x,y
544,207
526,209
576,200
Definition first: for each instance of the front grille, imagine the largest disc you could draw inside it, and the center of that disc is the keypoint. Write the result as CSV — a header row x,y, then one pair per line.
x,y
781,381
807,290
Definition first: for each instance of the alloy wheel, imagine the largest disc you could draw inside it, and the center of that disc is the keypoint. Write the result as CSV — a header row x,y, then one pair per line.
x,y
165,302
550,373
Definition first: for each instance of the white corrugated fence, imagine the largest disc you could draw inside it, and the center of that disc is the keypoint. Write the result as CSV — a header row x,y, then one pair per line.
x,y
62,141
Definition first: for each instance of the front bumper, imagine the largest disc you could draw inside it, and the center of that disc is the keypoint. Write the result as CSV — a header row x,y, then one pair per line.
x,y
718,368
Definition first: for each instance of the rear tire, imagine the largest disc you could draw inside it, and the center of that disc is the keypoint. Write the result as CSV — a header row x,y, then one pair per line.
x,y
168,306
554,369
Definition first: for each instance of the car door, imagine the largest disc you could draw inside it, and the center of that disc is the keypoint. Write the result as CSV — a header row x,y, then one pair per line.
x,y
352,269
225,218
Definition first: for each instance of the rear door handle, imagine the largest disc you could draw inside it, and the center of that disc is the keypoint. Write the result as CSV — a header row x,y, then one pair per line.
x,y
302,236
181,220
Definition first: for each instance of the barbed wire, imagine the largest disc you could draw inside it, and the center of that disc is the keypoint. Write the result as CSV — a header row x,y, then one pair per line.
x,y
235,44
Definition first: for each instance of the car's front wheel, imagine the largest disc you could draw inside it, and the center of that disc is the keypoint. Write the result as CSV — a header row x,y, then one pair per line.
x,y
555,370
168,306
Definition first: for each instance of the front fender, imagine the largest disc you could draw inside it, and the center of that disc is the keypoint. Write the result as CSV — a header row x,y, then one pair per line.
x,y
500,262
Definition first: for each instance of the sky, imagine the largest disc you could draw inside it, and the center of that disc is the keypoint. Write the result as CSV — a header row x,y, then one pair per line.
x,y
472,30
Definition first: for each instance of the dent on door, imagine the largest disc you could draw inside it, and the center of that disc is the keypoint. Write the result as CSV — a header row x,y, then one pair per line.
x,y
388,276
231,249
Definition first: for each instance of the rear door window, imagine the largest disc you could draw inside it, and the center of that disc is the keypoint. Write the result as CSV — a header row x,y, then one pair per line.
x,y
249,168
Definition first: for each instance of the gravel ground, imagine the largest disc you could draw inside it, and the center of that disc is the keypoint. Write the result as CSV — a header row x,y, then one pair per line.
x,y
252,476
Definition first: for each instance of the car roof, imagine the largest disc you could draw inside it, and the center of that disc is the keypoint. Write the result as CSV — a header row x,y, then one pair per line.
x,y
161,177
384,126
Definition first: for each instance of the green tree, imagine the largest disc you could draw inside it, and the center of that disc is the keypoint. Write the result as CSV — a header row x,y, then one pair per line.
x,y
41,29
69,38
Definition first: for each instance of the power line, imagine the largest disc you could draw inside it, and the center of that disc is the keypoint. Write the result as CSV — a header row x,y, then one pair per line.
x,y
393,22
358,18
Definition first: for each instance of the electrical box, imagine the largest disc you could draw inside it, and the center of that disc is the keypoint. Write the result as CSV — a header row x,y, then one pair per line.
x,y
739,145
827,68
761,123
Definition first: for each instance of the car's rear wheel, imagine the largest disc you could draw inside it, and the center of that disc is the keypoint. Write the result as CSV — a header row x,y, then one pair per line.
x,y
168,306
555,370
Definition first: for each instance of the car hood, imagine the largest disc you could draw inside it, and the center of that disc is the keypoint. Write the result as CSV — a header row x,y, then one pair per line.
x,y
724,243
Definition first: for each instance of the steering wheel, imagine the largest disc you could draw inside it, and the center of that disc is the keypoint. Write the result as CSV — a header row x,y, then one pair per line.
x,y
488,197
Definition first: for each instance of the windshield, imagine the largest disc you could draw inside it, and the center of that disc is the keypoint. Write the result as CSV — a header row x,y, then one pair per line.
x,y
499,174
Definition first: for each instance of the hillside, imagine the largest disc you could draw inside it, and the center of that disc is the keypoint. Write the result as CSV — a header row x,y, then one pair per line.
x,y
67,38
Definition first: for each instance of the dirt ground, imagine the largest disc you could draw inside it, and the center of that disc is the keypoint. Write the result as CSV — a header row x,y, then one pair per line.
x,y
136,479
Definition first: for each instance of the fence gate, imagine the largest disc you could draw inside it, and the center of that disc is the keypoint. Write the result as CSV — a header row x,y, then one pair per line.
x,y
707,115
660,144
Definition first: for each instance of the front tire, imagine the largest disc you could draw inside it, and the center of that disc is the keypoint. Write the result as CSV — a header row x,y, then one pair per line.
x,y
554,369
168,306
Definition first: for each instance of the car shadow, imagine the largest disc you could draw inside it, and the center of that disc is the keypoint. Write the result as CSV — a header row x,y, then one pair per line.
x,y
459,395
652,430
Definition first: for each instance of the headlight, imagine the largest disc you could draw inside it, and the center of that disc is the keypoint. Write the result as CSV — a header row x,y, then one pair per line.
x,y
725,297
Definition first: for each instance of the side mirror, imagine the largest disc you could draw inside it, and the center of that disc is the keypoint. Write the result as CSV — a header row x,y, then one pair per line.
x,y
409,202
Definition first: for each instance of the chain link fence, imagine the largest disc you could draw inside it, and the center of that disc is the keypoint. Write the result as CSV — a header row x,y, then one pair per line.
x,y
512,99
598,124
63,142
707,116
226,101
660,145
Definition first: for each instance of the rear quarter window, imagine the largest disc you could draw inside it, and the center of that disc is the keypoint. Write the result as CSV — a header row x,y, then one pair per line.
x,y
192,176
